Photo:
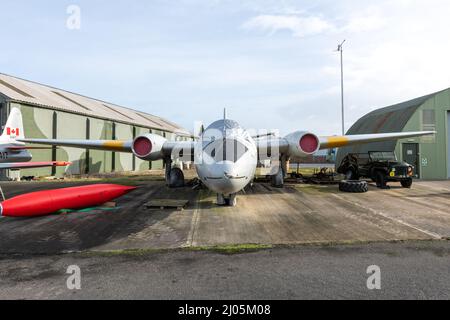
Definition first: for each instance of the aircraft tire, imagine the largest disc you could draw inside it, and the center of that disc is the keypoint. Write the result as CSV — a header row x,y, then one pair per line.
x,y
232,201
220,200
176,178
277,180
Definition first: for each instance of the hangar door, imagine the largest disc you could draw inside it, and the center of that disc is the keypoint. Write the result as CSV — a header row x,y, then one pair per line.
x,y
411,156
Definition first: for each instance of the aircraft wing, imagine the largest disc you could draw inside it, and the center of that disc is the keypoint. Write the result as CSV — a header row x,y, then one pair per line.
x,y
105,145
154,147
302,144
176,147
344,141
159,148
21,148
29,165
268,146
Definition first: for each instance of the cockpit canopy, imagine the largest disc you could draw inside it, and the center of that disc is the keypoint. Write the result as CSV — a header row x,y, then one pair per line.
x,y
223,125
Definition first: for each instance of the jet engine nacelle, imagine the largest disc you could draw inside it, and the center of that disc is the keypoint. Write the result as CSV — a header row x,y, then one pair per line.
x,y
149,147
302,144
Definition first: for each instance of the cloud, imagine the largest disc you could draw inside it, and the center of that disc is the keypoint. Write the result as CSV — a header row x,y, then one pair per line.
x,y
394,52
187,59
369,19
300,26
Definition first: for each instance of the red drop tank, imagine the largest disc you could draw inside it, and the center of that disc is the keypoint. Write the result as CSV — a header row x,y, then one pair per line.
x,y
45,202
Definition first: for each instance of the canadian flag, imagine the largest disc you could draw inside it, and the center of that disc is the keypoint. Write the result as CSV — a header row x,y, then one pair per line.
x,y
12,132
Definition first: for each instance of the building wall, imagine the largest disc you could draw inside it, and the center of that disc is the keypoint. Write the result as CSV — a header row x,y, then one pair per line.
x,y
100,161
124,161
3,110
432,150
40,123
69,126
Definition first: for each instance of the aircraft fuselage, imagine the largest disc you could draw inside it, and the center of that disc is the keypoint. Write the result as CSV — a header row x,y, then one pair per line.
x,y
7,156
227,159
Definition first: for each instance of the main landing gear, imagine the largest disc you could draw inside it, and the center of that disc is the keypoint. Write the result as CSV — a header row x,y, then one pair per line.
x,y
230,200
174,176
277,180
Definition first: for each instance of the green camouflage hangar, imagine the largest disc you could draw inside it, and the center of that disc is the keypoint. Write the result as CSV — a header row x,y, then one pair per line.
x,y
54,113
430,155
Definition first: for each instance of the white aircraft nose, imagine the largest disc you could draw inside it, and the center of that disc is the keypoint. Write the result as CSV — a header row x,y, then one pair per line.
x,y
228,186
228,169
226,179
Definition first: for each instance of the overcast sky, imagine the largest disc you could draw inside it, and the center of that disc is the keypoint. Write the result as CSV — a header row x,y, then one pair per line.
x,y
271,63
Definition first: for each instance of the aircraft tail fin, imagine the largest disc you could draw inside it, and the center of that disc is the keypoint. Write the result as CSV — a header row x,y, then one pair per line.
x,y
14,126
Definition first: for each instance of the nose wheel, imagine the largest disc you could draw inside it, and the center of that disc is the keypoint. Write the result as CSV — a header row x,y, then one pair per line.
x,y
230,201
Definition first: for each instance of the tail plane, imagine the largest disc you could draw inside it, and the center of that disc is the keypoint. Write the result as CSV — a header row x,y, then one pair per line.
x,y
14,126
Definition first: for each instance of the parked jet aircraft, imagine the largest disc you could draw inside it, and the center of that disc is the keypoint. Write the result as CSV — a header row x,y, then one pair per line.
x,y
15,155
226,155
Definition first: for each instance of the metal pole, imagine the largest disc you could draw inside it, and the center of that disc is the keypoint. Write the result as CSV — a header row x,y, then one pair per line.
x,y
341,50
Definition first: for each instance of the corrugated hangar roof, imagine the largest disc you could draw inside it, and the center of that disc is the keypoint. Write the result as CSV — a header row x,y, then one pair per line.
x,y
384,120
389,119
33,93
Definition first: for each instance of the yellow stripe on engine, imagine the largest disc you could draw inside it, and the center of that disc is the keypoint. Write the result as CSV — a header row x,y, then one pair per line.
x,y
336,142
114,145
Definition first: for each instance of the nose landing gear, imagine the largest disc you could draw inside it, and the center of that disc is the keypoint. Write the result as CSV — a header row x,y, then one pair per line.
x,y
230,201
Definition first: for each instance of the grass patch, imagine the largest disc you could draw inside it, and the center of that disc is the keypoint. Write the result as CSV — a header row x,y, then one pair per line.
x,y
225,249
233,249
236,249
125,252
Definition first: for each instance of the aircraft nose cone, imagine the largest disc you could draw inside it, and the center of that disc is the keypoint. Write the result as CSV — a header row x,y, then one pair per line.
x,y
229,169
224,177
231,181
226,186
